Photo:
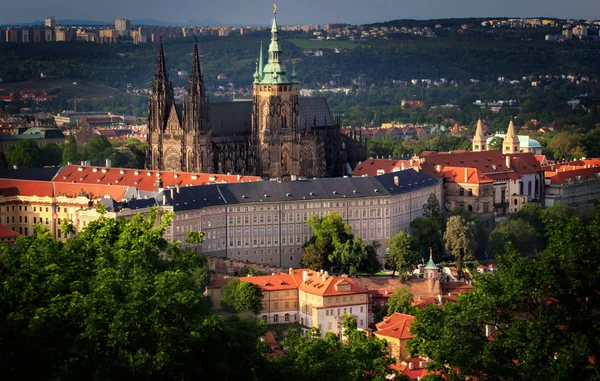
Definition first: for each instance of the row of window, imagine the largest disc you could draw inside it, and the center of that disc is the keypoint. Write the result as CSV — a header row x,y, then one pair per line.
x,y
330,312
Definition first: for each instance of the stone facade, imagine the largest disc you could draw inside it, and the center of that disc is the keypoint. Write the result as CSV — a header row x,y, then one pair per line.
x,y
277,135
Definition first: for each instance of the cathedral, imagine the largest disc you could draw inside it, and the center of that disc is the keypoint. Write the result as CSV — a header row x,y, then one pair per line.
x,y
276,135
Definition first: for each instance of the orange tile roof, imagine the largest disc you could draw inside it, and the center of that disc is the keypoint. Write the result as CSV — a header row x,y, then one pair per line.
x,y
370,167
218,281
329,287
281,281
417,372
465,175
28,187
141,179
91,191
270,339
396,326
5,232
576,175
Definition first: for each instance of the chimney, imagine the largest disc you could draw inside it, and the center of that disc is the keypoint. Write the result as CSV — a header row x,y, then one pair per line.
x,y
108,163
411,162
290,271
466,174
507,161
396,181
411,366
403,167
323,278
304,276
438,168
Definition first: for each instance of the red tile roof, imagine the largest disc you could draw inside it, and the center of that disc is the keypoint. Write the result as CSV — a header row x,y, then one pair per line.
x,y
5,232
45,189
418,368
275,282
396,326
577,175
331,286
217,281
28,187
141,179
371,167
465,175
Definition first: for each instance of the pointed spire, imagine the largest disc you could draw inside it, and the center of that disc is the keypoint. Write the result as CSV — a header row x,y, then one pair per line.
x,y
479,143
431,265
511,142
196,59
260,61
161,68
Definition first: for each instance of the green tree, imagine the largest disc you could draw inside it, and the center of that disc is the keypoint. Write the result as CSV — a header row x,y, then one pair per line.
x,y
26,154
312,358
426,234
314,257
459,239
565,144
519,233
51,154
3,160
70,151
105,305
433,210
333,237
496,143
402,256
240,296
543,311
98,149
400,301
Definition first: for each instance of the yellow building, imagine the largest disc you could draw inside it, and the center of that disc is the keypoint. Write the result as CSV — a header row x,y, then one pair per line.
x,y
395,330
280,297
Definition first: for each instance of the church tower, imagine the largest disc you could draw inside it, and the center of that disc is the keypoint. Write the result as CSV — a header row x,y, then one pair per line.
x,y
511,141
159,106
196,121
275,114
479,143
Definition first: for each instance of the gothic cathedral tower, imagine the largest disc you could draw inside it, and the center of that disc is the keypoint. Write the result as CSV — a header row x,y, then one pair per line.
x,y
159,105
275,115
179,137
196,121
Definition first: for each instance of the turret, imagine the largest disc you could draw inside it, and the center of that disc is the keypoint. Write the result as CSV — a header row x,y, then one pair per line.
x,y
511,143
479,143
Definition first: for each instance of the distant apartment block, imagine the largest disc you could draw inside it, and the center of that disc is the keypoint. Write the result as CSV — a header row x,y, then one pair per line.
x,y
122,27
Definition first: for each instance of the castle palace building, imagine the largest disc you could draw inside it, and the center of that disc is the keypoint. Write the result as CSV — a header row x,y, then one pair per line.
x,y
277,135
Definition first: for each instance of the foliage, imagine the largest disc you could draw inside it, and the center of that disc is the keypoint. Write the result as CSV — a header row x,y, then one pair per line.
x,y
328,358
459,238
400,301
70,152
104,305
26,154
51,154
426,235
335,247
402,256
544,312
432,209
496,143
97,149
519,233
567,145
241,297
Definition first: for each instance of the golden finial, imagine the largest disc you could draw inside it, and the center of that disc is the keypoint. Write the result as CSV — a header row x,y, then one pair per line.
x,y
274,8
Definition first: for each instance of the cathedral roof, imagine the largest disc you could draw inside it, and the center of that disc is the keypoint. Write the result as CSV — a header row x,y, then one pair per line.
x,y
196,197
235,118
231,118
315,110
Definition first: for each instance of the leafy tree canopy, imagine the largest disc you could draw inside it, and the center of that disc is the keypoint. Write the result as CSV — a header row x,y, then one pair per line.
x,y
402,256
115,302
241,297
544,314
26,154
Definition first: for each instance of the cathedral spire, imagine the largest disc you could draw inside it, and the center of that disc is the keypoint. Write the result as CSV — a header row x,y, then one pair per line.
x,y
260,61
195,82
161,68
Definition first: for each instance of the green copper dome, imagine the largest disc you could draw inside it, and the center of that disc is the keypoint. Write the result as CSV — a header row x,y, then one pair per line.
x,y
430,264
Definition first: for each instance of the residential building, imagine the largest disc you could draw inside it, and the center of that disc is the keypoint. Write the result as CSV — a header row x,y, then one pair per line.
x,y
395,330
7,235
50,22
122,27
280,297
323,300
576,186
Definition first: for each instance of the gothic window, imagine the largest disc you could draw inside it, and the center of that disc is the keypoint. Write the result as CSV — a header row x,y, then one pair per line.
x,y
190,160
529,188
307,163
284,160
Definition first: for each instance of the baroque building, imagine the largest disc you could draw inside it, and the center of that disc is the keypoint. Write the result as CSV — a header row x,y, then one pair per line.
x,y
277,135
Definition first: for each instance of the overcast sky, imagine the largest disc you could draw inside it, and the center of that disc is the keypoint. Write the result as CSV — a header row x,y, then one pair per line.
x,y
252,12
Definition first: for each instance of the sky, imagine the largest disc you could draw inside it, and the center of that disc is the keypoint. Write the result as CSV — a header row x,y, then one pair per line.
x,y
291,12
